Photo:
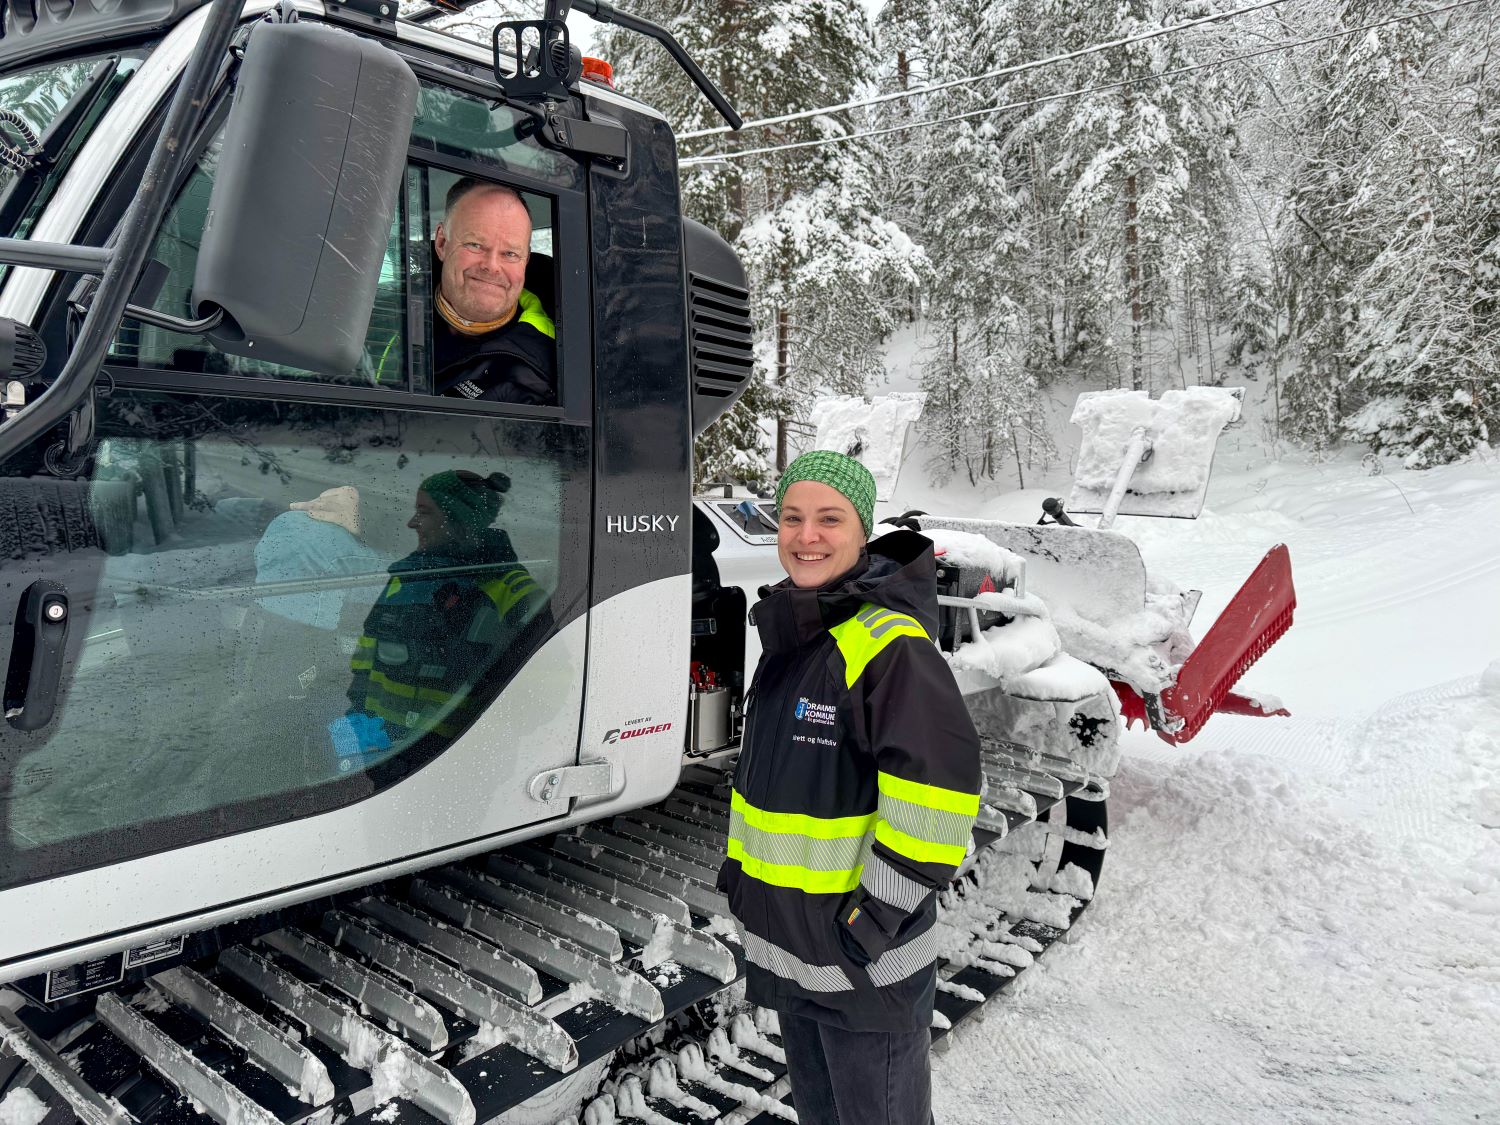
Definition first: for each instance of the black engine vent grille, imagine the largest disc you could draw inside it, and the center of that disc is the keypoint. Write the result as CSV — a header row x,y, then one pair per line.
x,y
722,343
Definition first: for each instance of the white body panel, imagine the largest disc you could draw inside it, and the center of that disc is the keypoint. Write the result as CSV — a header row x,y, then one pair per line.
x,y
636,712
472,798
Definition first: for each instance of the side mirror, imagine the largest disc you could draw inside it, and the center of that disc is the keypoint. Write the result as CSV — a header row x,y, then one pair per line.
x,y
302,202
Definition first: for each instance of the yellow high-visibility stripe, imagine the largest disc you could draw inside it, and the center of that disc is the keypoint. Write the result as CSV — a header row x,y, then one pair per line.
x,y
506,592
374,706
865,636
409,691
364,655
801,824
929,796
793,876
533,314
922,851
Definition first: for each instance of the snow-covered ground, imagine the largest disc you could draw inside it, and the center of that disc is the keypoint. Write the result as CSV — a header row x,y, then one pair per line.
x,y
1299,919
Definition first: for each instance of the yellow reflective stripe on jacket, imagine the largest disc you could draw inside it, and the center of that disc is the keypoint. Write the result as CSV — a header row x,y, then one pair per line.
x,y
791,875
929,796
409,691
921,851
364,655
865,635
925,823
813,854
505,592
402,717
532,314
799,824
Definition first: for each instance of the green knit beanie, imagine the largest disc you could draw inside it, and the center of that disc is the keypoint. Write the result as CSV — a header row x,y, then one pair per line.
x,y
843,474
471,502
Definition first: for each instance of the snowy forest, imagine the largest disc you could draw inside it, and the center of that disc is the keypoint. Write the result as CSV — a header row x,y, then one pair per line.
x,y
1303,194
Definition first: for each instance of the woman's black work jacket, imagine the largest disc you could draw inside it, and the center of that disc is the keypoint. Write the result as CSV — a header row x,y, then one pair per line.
x,y
854,797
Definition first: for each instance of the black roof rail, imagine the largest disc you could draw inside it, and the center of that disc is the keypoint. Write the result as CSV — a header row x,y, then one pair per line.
x,y
603,12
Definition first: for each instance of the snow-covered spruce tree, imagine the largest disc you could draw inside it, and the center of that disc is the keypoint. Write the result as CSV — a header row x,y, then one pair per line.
x,y
828,272
1343,104
1148,164
979,383
1423,337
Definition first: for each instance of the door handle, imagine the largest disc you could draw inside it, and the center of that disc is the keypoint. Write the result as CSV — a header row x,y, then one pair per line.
x,y
36,655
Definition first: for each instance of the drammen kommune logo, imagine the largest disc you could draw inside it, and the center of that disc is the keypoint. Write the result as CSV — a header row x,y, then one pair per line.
x,y
824,714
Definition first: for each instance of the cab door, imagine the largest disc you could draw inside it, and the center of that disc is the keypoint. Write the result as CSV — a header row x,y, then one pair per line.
x,y
273,685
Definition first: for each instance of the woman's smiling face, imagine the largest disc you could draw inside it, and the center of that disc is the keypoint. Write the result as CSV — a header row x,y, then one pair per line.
x,y
819,536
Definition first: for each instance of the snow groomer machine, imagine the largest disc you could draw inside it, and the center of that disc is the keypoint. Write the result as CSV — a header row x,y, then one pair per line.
x,y
492,896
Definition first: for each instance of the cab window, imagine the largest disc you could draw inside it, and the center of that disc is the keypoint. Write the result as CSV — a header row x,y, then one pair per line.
x,y
456,137
176,252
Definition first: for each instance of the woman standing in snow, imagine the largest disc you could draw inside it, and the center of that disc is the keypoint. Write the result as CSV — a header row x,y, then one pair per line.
x,y
853,802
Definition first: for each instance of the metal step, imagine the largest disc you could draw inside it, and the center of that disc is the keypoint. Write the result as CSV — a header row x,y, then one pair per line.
x,y
689,947
469,952
557,955
266,1044
403,1070
195,1079
400,1008
527,1030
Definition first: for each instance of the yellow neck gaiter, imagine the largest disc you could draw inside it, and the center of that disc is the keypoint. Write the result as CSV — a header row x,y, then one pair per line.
x,y
470,327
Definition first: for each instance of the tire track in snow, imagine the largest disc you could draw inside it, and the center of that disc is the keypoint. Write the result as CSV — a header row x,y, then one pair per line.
x,y
1402,797
1347,609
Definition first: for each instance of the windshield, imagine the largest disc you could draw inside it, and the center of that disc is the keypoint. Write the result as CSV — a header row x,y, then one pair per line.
x,y
46,113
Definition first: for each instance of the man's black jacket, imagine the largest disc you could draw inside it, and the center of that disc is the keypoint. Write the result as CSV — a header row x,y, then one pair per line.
x,y
517,362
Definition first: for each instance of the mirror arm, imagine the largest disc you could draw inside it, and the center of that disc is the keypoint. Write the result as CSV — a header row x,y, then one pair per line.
x,y
136,233
158,319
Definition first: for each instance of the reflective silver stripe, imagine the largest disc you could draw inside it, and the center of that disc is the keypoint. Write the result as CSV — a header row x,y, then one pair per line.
x,y
881,629
838,854
871,619
887,884
936,826
895,965
774,959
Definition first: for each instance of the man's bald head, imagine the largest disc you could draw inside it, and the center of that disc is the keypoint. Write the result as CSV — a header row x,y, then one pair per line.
x,y
484,243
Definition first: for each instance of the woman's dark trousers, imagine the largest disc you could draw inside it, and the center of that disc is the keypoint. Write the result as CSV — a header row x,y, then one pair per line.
x,y
857,1077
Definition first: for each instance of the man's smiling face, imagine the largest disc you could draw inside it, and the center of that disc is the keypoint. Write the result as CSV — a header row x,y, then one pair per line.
x,y
819,536
484,244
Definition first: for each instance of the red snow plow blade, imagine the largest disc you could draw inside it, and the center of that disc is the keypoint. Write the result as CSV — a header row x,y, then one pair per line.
x,y
1255,620
1257,617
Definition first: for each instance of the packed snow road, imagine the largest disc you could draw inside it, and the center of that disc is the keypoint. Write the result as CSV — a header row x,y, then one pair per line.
x,y
1297,919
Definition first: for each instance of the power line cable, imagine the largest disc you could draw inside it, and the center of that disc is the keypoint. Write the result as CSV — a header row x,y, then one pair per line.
x,y
1020,68
722,157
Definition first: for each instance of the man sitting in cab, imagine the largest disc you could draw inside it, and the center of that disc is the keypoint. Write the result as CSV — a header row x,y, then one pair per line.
x,y
492,339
